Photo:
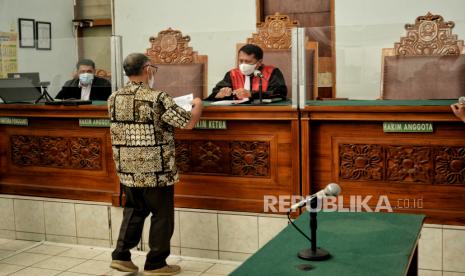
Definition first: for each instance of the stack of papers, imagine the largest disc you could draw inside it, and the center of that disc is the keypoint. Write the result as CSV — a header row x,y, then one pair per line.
x,y
185,101
230,102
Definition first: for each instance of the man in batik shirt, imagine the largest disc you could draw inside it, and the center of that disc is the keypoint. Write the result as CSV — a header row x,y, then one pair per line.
x,y
142,123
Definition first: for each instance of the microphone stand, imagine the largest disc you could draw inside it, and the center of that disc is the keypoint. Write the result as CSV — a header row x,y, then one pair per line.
x,y
45,95
314,253
260,89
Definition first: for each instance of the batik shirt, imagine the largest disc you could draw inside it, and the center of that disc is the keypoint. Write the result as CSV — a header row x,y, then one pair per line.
x,y
142,123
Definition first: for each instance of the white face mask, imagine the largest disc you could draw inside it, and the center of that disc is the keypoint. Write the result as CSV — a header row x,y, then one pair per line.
x,y
152,81
86,78
247,69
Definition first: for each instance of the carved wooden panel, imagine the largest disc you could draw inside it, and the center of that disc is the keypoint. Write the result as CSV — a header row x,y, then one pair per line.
x,y
274,33
85,153
450,165
211,157
171,47
409,164
250,158
103,74
361,162
430,35
235,158
402,163
57,152
183,160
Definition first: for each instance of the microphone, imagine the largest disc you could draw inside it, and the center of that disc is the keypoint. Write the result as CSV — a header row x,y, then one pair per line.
x,y
332,189
257,73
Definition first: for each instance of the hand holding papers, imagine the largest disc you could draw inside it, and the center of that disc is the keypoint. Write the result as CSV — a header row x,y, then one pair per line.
x,y
185,101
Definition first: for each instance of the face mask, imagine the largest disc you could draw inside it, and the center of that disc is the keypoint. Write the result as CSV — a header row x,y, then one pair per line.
x,y
152,82
247,69
86,78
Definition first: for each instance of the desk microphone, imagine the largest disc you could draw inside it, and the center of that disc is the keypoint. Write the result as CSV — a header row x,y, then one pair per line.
x,y
257,73
332,189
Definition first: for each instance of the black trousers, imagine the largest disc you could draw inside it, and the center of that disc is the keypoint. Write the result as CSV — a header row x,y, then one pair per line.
x,y
140,202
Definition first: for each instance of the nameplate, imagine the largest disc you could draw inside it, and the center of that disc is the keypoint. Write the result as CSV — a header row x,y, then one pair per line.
x,y
13,121
408,127
211,124
94,122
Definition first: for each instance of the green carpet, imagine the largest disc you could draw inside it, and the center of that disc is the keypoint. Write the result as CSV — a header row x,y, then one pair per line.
x,y
360,244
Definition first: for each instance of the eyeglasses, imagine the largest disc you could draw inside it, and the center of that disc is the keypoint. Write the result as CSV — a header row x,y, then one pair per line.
x,y
155,68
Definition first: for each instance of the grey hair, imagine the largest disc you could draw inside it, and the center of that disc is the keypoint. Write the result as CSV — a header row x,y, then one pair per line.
x,y
134,63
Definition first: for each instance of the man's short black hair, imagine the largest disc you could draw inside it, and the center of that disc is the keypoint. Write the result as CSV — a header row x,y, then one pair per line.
x,y
86,62
134,63
252,49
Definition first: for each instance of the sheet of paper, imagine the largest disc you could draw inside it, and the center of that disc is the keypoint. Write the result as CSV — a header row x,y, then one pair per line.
x,y
230,102
185,101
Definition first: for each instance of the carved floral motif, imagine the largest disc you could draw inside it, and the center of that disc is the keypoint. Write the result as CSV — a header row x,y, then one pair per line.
x,y
85,153
361,162
430,35
211,157
436,165
409,164
450,165
238,158
250,158
182,156
58,152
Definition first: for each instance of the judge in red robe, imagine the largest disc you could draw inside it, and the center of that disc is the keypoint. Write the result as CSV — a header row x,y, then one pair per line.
x,y
240,83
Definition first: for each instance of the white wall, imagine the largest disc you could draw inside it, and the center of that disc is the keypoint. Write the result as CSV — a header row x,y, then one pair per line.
x,y
56,65
215,26
364,27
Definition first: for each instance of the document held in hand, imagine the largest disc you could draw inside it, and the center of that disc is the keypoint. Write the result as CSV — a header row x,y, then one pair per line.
x,y
185,101
230,102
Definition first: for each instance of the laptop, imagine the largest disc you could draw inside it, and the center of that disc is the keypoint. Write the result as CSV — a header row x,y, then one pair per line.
x,y
34,77
18,91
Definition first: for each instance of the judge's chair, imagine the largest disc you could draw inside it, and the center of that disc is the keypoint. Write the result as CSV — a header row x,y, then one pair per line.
x,y
274,37
428,63
181,70
101,73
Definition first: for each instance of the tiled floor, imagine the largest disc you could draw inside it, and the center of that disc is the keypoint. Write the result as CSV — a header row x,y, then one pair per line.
x,y
46,258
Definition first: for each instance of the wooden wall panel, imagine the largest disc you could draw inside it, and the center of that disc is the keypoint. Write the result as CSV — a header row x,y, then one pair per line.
x,y
57,158
231,169
258,158
426,169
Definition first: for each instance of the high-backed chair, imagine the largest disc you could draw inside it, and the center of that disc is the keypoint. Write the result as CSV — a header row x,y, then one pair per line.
x,y
101,73
180,69
428,63
274,37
